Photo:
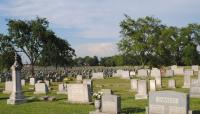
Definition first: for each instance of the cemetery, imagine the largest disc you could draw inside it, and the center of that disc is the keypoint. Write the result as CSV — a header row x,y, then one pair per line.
x,y
72,92
99,57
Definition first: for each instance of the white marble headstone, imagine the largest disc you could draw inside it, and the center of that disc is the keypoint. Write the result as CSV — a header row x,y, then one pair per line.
x,y
41,88
142,90
79,93
8,87
152,85
134,84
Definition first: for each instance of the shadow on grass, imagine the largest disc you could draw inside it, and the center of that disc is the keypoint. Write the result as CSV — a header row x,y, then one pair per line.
x,y
4,98
59,99
132,110
196,112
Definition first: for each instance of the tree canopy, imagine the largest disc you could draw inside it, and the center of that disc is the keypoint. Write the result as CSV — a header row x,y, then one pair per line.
x,y
152,43
40,44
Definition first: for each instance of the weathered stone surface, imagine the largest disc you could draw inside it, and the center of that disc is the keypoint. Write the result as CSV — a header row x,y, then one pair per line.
x,y
189,72
41,88
32,81
111,104
142,90
152,85
134,84
125,75
79,93
195,67
169,73
142,73
168,102
186,81
155,72
8,87
118,73
47,82
16,96
174,67
23,82
62,89
195,88
88,82
97,75
179,71
171,83
158,82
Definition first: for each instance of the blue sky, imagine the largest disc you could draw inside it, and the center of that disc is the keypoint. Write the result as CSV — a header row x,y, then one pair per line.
x,y
92,26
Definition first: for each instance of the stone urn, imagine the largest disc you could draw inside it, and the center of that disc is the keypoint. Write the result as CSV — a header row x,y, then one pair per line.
x,y
97,104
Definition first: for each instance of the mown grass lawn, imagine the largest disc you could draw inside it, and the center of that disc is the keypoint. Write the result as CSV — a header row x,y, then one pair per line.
x,y
120,87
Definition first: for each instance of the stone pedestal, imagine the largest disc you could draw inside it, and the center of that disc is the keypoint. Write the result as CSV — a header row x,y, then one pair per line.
x,y
16,96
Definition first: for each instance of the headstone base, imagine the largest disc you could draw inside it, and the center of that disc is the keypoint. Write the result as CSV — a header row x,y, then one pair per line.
x,y
137,96
15,101
194,95
147,111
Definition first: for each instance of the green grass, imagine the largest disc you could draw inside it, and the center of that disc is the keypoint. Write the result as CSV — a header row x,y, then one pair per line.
x,y
120,87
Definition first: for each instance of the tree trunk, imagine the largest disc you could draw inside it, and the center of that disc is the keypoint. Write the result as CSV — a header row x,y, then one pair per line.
x,y
32,70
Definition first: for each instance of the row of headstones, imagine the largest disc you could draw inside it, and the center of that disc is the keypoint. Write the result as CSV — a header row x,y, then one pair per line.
x,y
39,87
160,102
140,86
43,87
82,92
164,102
155,72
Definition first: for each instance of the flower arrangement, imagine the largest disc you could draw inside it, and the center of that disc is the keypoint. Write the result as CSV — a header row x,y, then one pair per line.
x,y
97,96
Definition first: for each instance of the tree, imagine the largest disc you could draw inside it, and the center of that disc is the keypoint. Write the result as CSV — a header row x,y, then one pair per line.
x,y
190,36
148,42
56,51
27,37
95,61
6,53
139,37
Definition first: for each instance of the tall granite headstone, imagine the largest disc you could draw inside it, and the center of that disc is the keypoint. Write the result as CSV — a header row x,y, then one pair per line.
x,y
16,96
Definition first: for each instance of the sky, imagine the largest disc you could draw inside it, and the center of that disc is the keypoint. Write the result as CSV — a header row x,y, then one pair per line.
x,y
92,26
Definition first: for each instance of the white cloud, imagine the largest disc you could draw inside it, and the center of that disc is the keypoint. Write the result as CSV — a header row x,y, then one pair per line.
x,y
87,15
99,19
96,49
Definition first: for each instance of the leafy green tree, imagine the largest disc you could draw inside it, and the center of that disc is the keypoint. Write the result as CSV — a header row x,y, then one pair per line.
x,y
95,61
27,37
148,42
6,53
189,41
56,51
139,37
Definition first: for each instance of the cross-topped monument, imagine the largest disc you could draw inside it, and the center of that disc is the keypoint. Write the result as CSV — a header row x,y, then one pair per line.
x,y
16,96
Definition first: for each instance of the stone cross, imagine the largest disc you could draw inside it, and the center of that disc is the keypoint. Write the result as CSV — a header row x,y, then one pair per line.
x,y
16,96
